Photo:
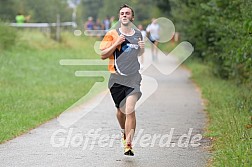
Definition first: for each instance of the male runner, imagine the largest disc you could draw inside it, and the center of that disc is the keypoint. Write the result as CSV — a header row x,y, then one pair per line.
x,y
123,46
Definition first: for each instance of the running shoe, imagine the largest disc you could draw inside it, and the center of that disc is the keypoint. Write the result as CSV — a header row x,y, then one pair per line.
x,y
128,150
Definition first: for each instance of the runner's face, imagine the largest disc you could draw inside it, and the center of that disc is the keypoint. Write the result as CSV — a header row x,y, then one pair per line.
x,y
125,16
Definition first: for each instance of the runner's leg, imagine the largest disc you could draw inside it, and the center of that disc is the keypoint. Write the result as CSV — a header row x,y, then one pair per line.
x,y
156,50
120,114
130,123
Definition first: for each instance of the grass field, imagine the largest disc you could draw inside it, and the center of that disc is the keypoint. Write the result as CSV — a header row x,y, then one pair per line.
x,y
34,86
230,113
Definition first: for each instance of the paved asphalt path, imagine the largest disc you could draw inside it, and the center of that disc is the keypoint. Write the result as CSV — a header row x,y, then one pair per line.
x,y
169,122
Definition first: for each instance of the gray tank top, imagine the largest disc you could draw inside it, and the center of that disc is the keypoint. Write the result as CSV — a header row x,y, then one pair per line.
x,y
126,61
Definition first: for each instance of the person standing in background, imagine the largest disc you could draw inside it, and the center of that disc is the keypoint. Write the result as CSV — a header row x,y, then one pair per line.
x,y
20,18
113,21
106,23
153,35
89,25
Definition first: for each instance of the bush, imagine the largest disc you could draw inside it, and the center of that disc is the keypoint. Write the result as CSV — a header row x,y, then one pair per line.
x,y
221,32
8,36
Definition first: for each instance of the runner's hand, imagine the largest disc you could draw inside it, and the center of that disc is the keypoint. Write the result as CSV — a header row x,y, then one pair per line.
x,y
120,40
141,43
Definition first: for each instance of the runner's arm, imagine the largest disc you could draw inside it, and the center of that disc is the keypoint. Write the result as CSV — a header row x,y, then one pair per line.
x,y
106,53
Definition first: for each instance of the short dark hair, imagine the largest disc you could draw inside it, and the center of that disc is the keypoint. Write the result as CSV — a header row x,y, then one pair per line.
x,y
127,6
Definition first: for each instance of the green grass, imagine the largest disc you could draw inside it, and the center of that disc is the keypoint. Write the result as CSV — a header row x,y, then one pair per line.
x,y
230,112
34,87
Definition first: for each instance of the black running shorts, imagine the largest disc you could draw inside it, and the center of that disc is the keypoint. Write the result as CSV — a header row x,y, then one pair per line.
x,y
119,94
123,86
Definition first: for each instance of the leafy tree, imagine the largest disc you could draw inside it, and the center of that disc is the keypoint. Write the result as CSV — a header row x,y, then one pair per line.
x,y
91,8
47,10
164,6
144,9
220,31
40,10
8,10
